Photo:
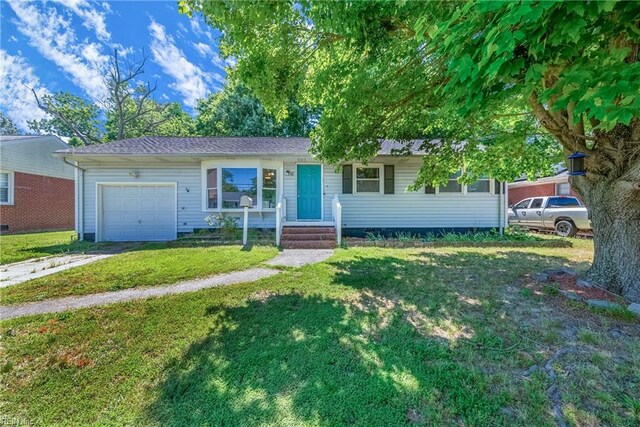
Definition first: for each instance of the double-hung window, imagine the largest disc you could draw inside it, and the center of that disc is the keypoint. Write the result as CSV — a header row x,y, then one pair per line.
x,y
452,186
368,179
225,186
269,188
6,188
563,189
212,188
482,185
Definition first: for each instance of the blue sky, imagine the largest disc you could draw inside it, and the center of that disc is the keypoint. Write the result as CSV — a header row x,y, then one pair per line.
x,y
64,45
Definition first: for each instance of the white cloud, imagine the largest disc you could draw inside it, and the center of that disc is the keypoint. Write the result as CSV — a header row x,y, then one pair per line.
x,y
203,49
13,38
90,16
198,30
206,51
17,78
52,35
189,80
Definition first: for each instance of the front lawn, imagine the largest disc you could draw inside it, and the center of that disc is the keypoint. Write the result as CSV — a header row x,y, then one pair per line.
x,y
150,265
20,247
370,337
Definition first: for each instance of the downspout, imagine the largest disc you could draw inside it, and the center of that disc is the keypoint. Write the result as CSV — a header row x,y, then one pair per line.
x,y
505,205
79,197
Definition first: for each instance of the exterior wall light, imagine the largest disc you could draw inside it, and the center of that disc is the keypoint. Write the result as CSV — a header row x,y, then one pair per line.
x,y
134,174
576,164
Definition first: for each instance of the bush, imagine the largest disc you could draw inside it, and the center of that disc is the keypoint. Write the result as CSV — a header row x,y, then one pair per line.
x,y
226,224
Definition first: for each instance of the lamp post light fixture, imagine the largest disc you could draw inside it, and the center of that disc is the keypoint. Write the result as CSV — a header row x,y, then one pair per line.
x,y
576,164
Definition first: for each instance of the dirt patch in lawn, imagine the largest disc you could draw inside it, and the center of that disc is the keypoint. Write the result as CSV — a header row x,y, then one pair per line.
x,y
569,282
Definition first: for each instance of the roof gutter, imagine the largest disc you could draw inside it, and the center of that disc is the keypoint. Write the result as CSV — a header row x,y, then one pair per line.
x,y
64,159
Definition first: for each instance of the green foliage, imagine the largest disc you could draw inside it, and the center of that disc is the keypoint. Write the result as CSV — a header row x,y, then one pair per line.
x,y
484,73
227,224
374,237
70,116
7,126
235,111
20,247
161,120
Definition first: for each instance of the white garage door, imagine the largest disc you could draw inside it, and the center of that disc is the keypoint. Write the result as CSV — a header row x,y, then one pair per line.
x,y
138,212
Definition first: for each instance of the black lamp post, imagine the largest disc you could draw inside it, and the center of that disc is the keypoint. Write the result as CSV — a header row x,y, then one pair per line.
x,y
576,164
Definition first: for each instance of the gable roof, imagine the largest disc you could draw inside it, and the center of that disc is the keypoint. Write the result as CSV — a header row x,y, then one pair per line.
x,y
218,146
11,139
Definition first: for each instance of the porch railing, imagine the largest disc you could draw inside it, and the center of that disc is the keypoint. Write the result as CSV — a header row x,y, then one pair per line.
x,y
336,213
281,214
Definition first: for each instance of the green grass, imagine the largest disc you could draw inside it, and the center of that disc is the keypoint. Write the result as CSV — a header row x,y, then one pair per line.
x,y
372,336
150,265
20,247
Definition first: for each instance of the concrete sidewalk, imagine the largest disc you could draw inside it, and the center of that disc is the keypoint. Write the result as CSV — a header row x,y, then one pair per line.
x,y
287,258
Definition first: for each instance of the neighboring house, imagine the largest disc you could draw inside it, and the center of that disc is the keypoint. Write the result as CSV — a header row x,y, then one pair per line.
x,y
556,185
156,188
36,187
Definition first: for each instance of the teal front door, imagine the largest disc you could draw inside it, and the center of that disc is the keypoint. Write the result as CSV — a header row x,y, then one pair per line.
x,y
309,192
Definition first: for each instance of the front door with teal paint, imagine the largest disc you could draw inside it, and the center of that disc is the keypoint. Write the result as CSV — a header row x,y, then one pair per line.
x,y
309,192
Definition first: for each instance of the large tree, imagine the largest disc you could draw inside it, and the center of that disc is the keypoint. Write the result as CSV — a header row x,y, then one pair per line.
x,y
492,80
159,119
70,116
7,126
235,111
129,109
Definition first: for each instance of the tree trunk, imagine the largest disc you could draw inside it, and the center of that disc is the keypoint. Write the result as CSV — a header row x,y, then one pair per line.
x,y
615,217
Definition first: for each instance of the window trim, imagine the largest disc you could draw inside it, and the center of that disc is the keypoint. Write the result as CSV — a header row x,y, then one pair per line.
x,y
10,188
257,164
379,166
464,190
558,184
491,187
206,187
275,188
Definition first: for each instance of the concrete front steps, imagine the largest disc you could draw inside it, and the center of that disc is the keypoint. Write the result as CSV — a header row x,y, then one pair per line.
x,y
308,237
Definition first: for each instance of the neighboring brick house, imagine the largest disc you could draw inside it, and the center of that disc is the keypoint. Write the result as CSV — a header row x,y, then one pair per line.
x,y
37,190
556,185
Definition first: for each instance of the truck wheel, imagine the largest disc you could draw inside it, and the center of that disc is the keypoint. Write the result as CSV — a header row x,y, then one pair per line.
x,y
566,228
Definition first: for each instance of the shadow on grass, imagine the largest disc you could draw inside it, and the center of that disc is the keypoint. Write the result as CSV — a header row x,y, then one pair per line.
x,y
289,359
385,355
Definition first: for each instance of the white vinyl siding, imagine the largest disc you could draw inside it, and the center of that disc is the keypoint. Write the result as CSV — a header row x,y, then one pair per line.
x,y
406,209
403,209
35,156
188,179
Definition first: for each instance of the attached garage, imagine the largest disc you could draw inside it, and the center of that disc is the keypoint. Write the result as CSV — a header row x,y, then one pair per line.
x,y
136,212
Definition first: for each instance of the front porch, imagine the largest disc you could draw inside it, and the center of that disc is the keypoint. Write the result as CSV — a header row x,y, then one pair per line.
x,y
309,234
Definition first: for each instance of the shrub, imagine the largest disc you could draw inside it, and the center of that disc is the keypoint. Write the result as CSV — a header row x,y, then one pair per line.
x,y
374,237
226,224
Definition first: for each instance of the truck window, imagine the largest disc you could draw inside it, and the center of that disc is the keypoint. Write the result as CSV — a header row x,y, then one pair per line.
x,y
523,204
537,203
559,202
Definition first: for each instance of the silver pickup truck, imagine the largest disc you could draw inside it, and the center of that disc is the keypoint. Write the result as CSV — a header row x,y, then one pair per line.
x,y
566,215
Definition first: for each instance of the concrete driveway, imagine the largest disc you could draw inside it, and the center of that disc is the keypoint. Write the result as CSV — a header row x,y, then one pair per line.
x,y
12,274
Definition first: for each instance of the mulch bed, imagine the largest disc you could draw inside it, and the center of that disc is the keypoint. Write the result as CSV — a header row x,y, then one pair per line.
x,y
568,282
394,243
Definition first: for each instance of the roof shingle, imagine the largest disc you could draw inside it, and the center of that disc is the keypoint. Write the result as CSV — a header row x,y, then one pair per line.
x,y
168,145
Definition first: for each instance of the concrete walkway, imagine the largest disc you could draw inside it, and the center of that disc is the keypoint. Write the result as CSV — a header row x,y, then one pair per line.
x,y
12,274
286,258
